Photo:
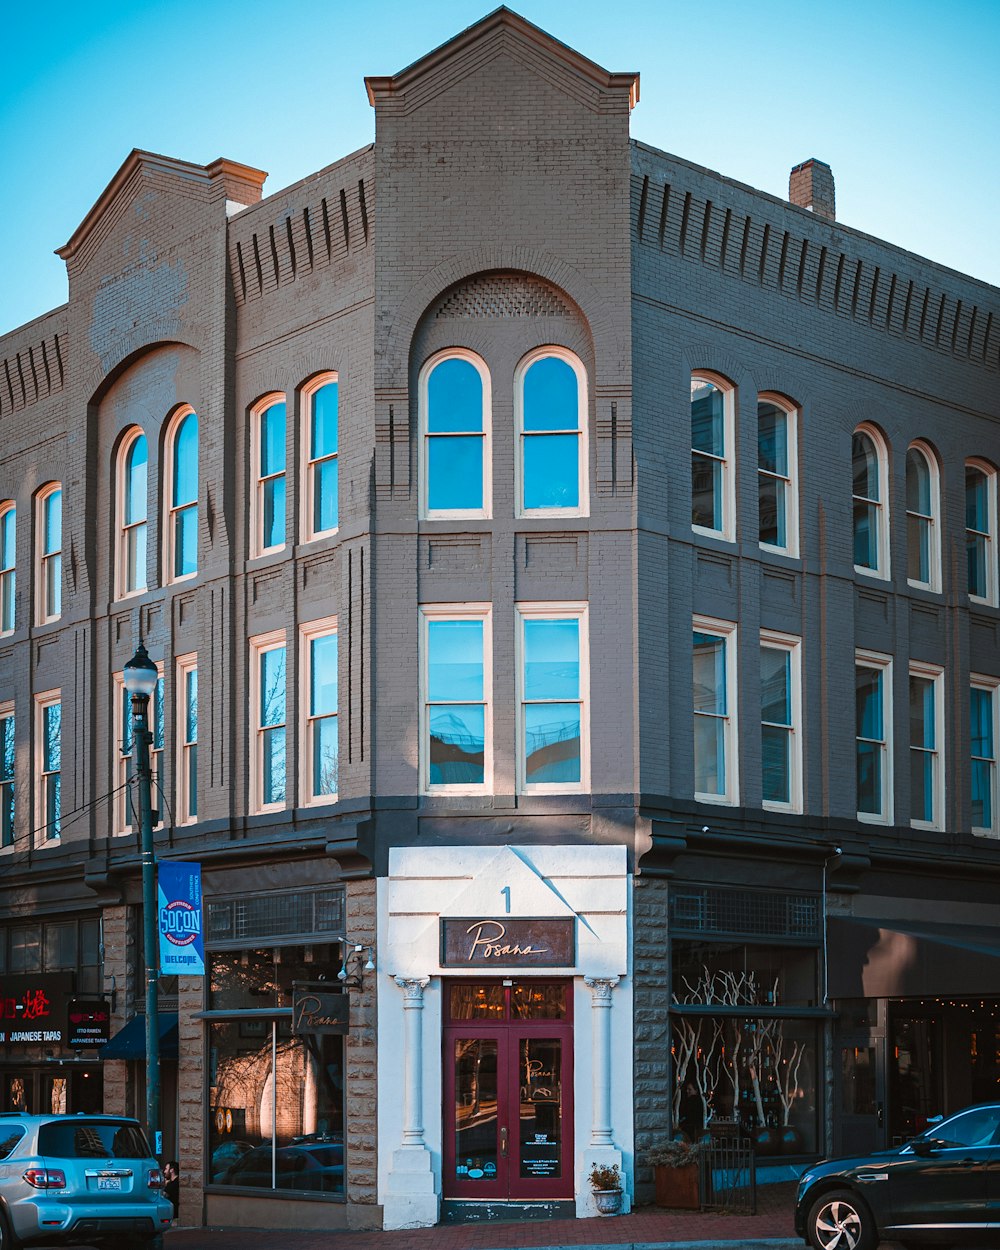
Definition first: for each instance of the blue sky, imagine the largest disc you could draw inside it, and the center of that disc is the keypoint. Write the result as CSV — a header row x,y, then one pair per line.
x,y
901,99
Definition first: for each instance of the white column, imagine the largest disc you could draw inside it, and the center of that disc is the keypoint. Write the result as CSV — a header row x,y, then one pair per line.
x,y
411,1199
600,1002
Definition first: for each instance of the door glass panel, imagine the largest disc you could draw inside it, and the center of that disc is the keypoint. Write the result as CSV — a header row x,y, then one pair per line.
x,y
540,1077
476,1109
858,1080
538,1002
476,1002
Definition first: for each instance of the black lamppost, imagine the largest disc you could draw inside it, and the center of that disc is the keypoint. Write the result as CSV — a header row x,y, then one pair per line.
x,y
140,677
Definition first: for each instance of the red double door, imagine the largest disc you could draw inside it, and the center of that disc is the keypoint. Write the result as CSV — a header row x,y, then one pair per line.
x,y
508,1090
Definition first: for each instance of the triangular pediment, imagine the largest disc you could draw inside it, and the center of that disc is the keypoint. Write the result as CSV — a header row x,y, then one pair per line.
x,y
221,180
504,33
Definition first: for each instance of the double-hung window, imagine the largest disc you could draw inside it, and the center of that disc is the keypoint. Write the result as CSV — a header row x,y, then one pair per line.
x,y
455,441
48,747
923,545
321,442
49,544
181,552
8,566
321,723
267,449
126,795
7,804
780,717
926,747
873,720
133,466
777,458
269,783
187,739
550,396
553,739
984,733
869,463
455,733
980,531
714,706
713,498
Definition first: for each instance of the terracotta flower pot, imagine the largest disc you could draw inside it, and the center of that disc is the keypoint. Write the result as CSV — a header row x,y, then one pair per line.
x,y
678,1187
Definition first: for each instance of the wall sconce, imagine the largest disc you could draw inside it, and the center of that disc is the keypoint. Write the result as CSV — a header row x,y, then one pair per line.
x,y
351,974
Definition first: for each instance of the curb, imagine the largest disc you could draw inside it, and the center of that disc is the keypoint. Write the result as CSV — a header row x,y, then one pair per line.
x,y
770,1243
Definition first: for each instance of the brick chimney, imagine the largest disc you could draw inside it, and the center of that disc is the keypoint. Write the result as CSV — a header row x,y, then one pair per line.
x,y
810,185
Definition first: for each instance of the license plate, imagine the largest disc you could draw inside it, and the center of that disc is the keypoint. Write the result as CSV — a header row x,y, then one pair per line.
x,y
109,1182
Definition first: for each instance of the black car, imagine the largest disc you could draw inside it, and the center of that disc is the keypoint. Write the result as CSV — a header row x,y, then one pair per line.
x,y
942,1187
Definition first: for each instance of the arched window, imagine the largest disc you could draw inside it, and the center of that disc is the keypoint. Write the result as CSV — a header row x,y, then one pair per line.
x,y
8,567
454,420
133,465
181,550
49,547
321,442
777,476
713,497
550,388
980,530
923,544
268,450
871,540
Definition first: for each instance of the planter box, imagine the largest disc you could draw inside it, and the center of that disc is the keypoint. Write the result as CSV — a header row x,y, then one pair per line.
x,y
678,1187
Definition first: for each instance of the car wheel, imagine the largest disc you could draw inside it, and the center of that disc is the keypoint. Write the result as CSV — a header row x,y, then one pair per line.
x,y
7,1239
840,1221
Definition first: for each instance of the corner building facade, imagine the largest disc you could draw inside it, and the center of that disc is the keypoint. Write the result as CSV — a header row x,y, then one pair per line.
x,y
511,509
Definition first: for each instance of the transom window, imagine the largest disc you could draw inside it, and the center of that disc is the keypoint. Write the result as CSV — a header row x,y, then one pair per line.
x,y
553,750
984,731
268,787
868,458
322,753
926,762
8,567
320,400
132,496
268,450
455,734
455,407
551,402
714,690
923,546
776,476
873,720
980,531
182,518
50,554
713,502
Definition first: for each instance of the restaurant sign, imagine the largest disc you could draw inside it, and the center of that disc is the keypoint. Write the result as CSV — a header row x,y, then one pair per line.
x,y
316,1012
513,942
33,1008
89,1022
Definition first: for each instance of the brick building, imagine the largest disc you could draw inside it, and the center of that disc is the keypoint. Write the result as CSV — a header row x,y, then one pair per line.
x,y
507,506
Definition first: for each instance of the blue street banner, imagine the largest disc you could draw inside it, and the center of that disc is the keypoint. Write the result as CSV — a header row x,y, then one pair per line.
x,y
182,943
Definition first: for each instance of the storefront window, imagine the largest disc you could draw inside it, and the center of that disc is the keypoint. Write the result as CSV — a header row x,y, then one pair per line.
x,y
749,1066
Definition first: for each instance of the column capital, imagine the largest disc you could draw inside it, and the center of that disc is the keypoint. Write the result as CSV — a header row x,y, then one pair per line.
x,y
413,990
600,989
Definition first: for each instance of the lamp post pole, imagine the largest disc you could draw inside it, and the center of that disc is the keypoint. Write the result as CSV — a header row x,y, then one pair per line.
x,y
140,678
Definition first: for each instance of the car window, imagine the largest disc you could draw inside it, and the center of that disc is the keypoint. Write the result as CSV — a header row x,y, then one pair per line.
x,y
9,1137
91,1139
973,1128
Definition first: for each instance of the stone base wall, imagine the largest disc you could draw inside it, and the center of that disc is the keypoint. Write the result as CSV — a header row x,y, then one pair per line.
x,y
652,1075
361,1108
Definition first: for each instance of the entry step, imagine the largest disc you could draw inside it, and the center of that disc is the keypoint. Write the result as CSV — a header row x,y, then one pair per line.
x,y
454,1211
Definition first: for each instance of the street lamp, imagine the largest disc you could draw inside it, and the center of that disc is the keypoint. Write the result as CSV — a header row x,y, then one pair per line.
x,y
140,678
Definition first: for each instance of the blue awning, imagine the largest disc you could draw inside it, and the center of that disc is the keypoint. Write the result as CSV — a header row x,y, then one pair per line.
x,y
130,1042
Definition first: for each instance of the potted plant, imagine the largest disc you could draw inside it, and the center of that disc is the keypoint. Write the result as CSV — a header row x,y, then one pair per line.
x,y
606,1182
675,1173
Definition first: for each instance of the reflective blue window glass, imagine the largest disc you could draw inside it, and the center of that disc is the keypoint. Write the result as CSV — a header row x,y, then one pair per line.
x,y
272,724
455,473
323,724
551,396
551,471
8,573
186,461
552,750
455,747
455,442
551,437
136,465
454,398
551,659
271,477
324,422
552,743
454,660
7,780
983,748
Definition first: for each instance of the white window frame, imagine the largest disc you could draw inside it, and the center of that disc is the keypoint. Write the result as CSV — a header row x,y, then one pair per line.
x,y
42,614
933,673
8,572
728,459
791,479
876,660
258,646
990,473
426,512
7,712
257,412
933,520
728,631
170,510
882,547
583,445
156,757
457,612
184,665
791,644
323,628
554,611
308,471
42,837
991,685
122,590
